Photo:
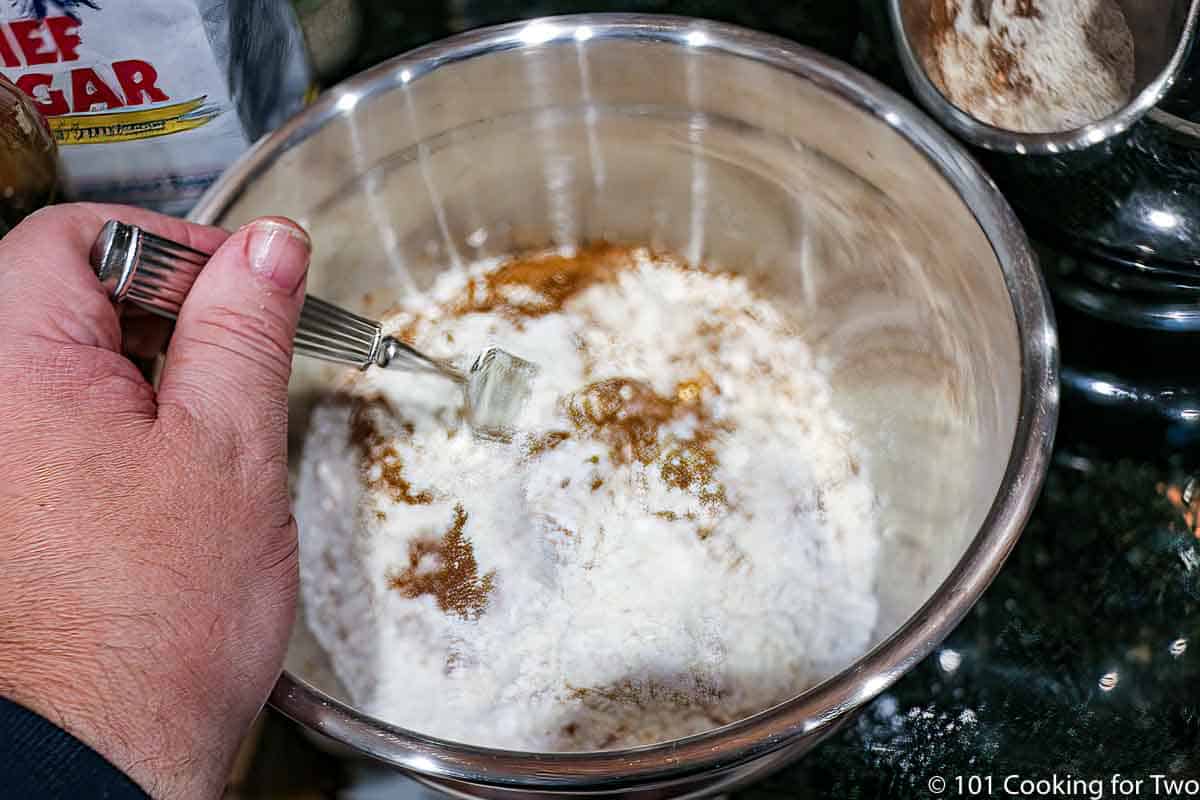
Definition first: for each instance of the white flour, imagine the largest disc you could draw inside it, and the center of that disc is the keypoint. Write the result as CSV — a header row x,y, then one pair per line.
x,y
1037,66
688,543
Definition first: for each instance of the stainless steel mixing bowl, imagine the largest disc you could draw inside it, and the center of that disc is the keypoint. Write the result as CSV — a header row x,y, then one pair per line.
x,y
896,257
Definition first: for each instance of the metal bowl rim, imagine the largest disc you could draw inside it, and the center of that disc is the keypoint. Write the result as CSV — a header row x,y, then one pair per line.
x,y
813,712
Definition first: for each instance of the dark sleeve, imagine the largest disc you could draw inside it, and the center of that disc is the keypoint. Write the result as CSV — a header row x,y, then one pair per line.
x,y
39,760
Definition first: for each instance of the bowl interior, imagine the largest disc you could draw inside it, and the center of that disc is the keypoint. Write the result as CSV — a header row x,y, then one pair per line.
x,y
563,137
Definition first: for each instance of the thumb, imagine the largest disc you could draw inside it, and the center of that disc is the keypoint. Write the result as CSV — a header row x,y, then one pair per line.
x,y
230,357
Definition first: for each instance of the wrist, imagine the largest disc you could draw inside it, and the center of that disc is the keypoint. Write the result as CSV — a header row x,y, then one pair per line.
x,y
109,697
34,751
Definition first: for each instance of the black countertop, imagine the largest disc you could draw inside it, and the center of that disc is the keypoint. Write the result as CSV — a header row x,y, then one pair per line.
x,y
1080,660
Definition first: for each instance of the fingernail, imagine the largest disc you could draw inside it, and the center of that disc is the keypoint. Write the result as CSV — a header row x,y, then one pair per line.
x,y
278,252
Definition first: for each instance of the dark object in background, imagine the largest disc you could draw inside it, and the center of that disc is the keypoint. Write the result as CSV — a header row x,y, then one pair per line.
x,y
385,28
348,36
1119,236
821,24
268,70
28,157
333,31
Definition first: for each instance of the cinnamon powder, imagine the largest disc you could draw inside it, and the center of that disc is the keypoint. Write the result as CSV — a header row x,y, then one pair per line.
x,y
538,284
628,416
454,582
379,455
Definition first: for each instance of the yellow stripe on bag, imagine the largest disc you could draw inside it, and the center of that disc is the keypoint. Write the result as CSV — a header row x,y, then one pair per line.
x,y
128,126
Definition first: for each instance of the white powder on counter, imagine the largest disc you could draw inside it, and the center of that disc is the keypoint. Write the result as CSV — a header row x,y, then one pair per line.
x,y
1036,66
680,534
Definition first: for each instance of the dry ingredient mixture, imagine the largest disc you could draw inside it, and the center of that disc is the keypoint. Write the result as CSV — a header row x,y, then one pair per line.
x,y
1036,66
680,534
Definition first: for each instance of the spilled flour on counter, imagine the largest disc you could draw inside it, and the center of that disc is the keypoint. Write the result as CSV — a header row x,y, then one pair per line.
x,y
1037,66
680,534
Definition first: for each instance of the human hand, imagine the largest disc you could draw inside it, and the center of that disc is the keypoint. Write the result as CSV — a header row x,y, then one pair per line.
x,y
148,568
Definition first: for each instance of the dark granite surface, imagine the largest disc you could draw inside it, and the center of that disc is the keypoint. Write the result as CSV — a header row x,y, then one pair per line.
x,y
1083,659
1080,659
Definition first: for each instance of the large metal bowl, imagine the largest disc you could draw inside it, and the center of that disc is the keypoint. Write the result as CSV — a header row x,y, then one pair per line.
x,y
900,261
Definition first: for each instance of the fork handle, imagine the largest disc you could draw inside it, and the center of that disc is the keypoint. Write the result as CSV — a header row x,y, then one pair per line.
x,y
156,274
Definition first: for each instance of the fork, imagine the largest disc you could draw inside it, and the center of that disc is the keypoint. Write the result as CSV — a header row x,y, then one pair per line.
x,y
156,274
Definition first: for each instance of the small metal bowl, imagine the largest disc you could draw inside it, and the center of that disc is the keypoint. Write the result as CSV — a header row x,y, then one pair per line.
x,y
1162,31
899,259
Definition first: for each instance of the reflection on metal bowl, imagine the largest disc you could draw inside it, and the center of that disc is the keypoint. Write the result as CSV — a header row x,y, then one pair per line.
x,y
896,257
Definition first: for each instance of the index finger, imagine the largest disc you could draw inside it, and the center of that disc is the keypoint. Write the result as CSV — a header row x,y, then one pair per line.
x,y
204,238
47,287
